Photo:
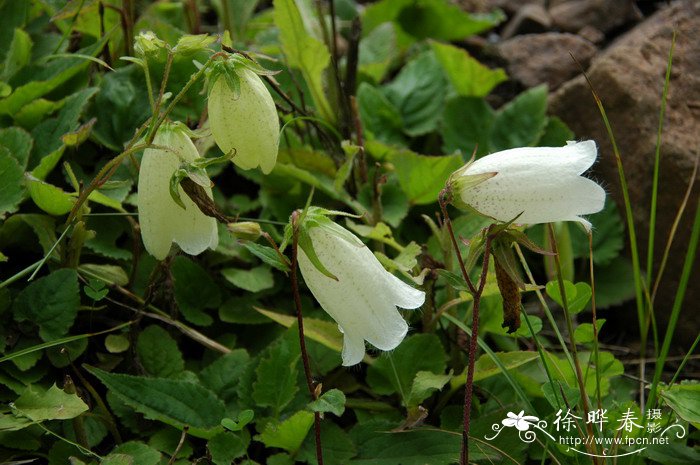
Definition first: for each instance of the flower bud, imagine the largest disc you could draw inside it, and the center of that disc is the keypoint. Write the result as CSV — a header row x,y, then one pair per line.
x,y
248,230
243,116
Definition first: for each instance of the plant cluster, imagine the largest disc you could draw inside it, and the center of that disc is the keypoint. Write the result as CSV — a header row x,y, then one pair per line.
x,y
200,231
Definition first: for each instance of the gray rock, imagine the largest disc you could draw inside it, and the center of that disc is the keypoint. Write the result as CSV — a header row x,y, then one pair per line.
x,y
629,78
528,19
604,15
512,6
544,58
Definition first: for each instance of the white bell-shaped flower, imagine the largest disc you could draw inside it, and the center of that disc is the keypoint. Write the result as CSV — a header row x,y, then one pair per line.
x,y
363,298
162,220
243,116
540,184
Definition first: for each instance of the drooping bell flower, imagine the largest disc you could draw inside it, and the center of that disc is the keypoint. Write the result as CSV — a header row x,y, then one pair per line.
x,y
352,286
242,115
531,184
162,220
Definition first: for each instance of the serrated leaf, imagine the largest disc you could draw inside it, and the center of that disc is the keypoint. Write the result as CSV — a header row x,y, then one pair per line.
x,y
338,447
521,121
414,447
158,353
466,125
267,254
19,144
395,371
332,401
223,376
289,434
54,404
468,77
50,302
174,402
418,92
276,377
380,118
684,399
411,168
11,178
195,290
424,384
226,447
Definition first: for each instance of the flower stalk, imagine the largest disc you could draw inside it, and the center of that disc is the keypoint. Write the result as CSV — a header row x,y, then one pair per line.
x,y
302,342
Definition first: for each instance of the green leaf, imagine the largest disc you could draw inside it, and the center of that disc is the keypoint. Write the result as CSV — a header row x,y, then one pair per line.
x,y
109,274
223,376
18,56
466,126
49,77
414,447
411,168
18,142
380,118
47,134
338,447
303,52
430,18
553,394
614,283
556,133
289,434
608,236
468,77
418,92
377,51
267,254
684,399
54,404
174,402
254,280
11,178
50,302
485,367
577,296
245,417
584,332
139,452
158,353
225,447
276,381
49,198
424,384
331,401
195,290
116,343
120,107
395,371
322,331
521,121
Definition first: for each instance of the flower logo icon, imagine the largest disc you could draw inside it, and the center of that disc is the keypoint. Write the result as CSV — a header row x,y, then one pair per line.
x,y
520,421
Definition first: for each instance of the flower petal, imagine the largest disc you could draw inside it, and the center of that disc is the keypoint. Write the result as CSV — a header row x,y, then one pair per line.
x,y
162,221
360,301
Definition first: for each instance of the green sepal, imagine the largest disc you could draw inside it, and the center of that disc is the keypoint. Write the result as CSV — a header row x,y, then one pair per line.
x,y
307,246
175,181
